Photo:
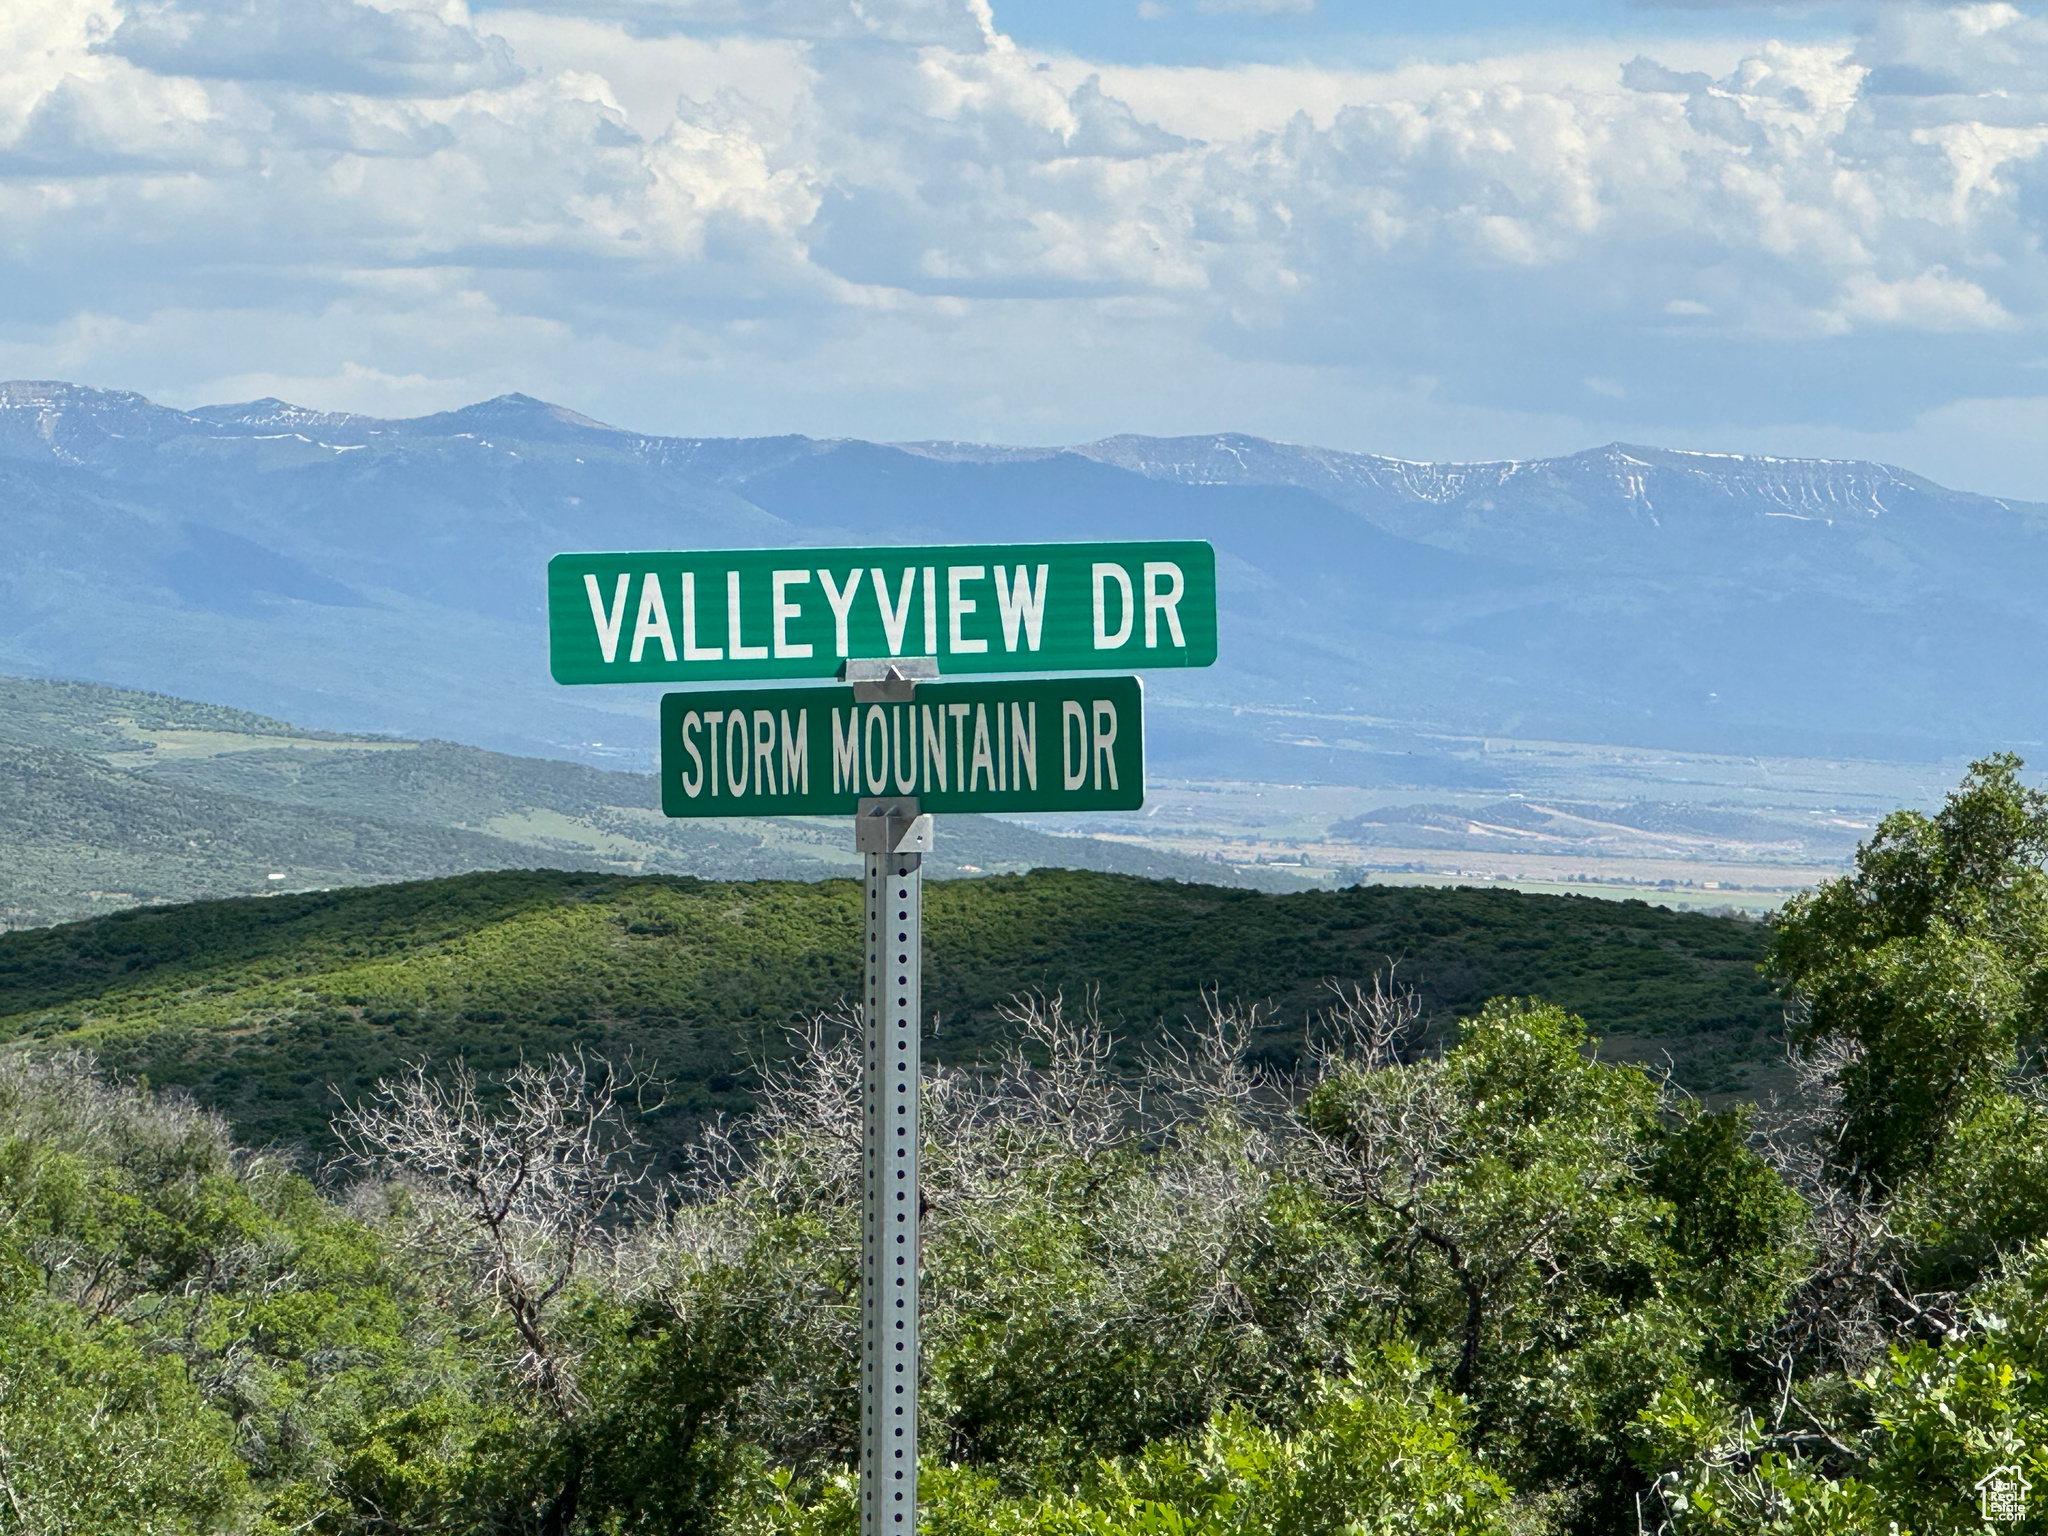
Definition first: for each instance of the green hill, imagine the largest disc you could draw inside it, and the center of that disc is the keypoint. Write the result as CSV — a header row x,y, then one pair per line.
x,y
266,1008
79,835
110,798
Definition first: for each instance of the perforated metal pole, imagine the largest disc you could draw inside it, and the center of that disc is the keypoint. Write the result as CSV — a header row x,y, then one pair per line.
x,y
893,837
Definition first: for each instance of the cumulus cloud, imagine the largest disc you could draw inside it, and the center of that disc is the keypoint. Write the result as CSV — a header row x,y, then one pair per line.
x,y
334,45
890,199
955,23
1643,73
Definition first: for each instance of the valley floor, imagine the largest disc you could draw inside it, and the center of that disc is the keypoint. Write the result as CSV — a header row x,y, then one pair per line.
x,y
1686,829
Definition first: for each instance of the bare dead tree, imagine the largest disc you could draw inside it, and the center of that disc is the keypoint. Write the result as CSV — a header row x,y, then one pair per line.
x,y
1857,1298
1364,1029
1053,1092
1203,1073
801,1144
520,1187
1164,1172
1395,1125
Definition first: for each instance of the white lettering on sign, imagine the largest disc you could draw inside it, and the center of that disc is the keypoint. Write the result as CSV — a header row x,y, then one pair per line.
x,y
736,755
1165,602
846,753
758,747
894,619
732,623
692,651
984,754
608,626
652,623
764,752
1024,743
949,615
874,743
1073,744
711,719
1126,610
785,610
1105,741
958,607
933,728
796,754
958,714
841,604
693,781
1021,604
879,748
903,769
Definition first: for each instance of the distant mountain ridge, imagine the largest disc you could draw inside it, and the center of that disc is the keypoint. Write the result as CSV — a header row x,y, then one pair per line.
x,y
73,421
1820,487
373,574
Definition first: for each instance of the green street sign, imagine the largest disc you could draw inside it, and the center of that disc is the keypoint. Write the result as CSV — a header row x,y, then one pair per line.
x,y
772,613
1074,744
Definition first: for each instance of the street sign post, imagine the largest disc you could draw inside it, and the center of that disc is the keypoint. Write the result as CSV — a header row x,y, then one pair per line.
x,y
889,746
891,1249
714,615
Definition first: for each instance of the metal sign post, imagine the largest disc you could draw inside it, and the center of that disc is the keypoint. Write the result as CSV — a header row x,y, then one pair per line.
x,y
962,746
892,837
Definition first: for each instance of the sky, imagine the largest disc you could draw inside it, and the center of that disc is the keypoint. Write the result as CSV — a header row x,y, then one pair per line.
x,y
1440,229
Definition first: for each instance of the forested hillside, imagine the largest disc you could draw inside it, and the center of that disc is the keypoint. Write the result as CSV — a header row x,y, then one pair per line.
x,y
1505,1286
263,1007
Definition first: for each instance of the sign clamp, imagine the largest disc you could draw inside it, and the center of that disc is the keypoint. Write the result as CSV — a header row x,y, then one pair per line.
x,y
889,680
890,823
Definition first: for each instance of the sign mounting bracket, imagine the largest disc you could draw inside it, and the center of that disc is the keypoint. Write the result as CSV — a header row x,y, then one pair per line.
x,y
890,681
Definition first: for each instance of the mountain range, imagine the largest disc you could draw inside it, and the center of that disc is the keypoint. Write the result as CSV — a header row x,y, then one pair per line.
x,y
374,575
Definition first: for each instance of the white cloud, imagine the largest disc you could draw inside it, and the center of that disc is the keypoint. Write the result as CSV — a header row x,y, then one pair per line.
x,y
884,217
338,45
1930,300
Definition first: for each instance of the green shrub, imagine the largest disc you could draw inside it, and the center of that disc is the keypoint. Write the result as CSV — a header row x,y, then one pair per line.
x,y
1383,1457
